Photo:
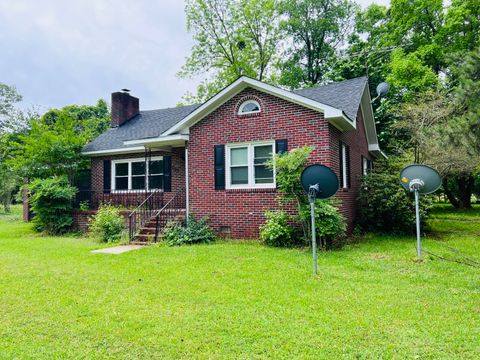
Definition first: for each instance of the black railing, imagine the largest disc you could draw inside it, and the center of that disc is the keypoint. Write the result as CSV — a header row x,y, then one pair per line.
x,y
142,214
173,211
91,200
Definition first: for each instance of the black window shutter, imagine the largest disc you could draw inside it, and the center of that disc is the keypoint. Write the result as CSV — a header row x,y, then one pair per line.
x,y
167,173
219,165
341,163
347,157
281,146
107,176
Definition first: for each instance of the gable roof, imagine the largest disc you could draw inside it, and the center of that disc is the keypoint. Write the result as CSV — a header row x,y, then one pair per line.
x,y
339,102
334,115
147,124
345,95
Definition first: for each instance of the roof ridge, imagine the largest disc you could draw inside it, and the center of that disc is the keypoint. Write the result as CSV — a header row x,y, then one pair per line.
x,y
170,108
364,77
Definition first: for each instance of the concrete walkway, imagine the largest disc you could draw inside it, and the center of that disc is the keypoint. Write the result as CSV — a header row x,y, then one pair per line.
x,y
118,249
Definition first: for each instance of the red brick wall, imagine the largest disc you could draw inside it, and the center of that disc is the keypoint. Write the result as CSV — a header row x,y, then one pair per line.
x,y
357,141
81,219
242,210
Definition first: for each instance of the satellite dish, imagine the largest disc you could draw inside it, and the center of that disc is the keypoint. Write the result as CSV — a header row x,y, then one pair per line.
x,y
322,176
318,181
419,179
425,178
382,89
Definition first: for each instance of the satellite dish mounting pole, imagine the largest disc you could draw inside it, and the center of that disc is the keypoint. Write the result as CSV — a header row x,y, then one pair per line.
x,y
325,185
417,213
420,179
312,194
415,186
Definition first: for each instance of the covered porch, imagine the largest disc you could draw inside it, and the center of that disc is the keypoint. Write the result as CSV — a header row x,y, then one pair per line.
x,y
153,168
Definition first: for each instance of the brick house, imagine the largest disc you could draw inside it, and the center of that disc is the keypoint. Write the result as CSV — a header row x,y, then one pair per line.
x,y
208,159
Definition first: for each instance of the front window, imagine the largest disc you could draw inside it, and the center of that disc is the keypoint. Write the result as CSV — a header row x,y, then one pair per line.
x,y
247,165
137,175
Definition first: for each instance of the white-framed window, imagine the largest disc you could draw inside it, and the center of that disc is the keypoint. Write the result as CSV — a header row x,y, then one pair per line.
x,y
246,165
344,166
367,165
137,174
364,166
249,107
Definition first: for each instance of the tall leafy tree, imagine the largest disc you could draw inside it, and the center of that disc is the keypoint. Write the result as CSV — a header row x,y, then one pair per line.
x,y
54,143
315,31
462,26
231,38
11,117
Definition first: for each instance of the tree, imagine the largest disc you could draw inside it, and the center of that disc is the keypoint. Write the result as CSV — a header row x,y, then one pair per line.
x,y
437,137
417,26
231,38
462,26
315,29
53,145
11,118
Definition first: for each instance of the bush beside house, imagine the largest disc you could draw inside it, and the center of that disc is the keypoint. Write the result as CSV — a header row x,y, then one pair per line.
x,y
385,206
107,225
51,202
280,228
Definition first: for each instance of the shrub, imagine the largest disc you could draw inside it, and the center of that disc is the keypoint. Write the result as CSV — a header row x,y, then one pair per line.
x,y
385,206
107,224
289,166
277,231
329,223
192,232
51,201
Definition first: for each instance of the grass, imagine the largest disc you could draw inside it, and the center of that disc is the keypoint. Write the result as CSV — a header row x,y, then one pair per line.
x,y
239,300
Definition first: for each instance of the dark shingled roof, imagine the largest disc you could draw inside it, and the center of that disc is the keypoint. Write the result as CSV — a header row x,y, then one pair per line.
x,y
147,124
344,95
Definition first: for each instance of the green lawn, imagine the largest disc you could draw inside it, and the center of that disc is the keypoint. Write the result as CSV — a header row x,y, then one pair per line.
x,y
239,299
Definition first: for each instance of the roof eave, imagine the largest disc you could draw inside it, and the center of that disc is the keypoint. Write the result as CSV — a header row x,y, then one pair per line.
x,y
116,151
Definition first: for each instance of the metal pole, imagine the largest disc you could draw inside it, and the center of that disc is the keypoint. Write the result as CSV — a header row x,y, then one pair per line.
x,y
314,235
417,213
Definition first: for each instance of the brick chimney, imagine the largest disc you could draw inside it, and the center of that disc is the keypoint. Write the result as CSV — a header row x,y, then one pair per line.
x,y
124,107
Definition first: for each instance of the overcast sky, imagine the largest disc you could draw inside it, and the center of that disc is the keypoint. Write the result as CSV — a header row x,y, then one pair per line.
x,y
60,52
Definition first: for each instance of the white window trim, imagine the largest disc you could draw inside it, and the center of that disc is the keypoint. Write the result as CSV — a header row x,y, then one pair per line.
x,y
249,112
344,166
129,162
364,166
251,171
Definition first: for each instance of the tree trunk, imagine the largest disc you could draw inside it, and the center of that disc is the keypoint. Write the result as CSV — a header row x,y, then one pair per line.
x,y
465,188
450,195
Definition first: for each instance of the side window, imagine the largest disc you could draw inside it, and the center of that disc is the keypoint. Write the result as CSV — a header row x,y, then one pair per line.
x,y
344,166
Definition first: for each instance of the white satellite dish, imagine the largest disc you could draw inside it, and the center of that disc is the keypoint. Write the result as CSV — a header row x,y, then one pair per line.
x,y
420,179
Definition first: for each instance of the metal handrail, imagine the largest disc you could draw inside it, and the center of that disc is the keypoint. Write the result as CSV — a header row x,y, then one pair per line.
x,y
142,214
168,216
144,201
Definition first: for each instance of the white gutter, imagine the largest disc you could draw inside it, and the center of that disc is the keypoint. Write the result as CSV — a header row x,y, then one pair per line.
x,y
159,139
114,151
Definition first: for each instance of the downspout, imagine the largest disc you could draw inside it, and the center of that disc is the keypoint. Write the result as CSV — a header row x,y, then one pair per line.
x,y
187,207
